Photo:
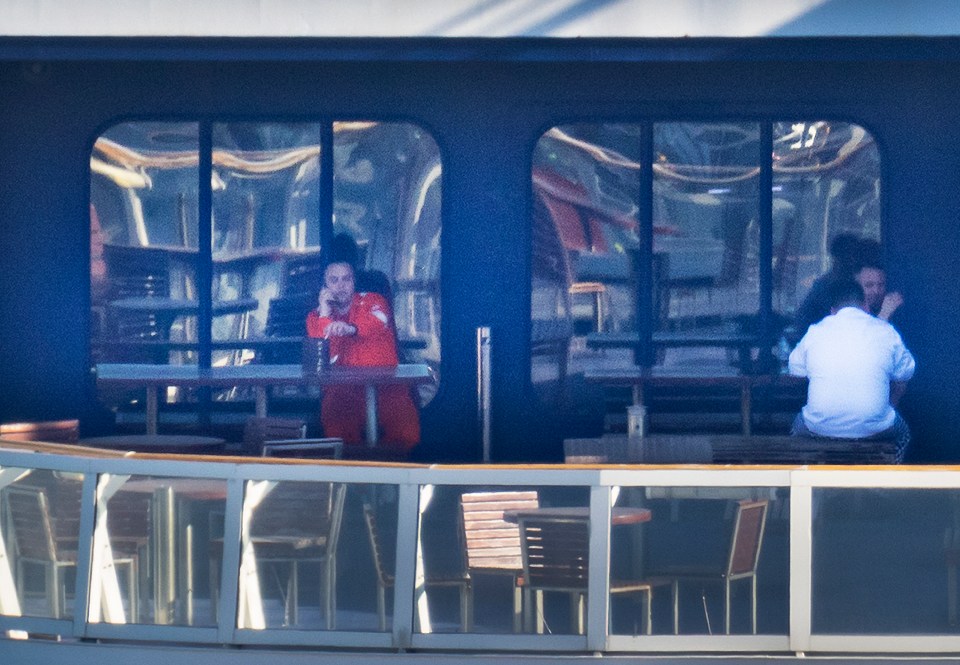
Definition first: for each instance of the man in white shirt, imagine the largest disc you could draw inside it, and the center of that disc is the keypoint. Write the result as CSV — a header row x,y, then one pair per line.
x,y
858,368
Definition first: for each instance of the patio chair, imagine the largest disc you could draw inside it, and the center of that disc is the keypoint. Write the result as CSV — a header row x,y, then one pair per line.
x,y
386,579
491,544
743,556
556,558
38,542
298,523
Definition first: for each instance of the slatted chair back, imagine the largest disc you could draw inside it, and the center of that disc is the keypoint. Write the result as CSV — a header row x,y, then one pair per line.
x,y
747,538
50,431
257,430
28,512
384,577
492,544
555,553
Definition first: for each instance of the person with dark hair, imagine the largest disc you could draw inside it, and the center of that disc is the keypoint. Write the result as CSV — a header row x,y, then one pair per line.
x,y
846,254
344,249
873,279
858,368
360,333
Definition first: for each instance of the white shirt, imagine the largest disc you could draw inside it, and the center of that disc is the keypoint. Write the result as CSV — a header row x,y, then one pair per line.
x,y
850,358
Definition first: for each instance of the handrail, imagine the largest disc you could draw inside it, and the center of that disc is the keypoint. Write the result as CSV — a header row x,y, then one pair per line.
x,y
599,485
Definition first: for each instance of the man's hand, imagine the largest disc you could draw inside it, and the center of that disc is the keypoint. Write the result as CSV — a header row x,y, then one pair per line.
x,y
341,329
325,302
890,303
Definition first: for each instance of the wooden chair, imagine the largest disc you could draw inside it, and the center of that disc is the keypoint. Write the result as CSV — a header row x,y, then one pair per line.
x,y
39,542
556,557
491,545
257,430
296,523
386,579
50,431
741,563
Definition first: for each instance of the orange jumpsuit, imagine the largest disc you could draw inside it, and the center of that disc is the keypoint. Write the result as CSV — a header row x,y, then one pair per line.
x,y
342,412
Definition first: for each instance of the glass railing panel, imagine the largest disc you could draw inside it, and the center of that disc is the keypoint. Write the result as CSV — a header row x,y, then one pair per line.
x,y
698,537
39,538
486,556
317,555
884,561
156,550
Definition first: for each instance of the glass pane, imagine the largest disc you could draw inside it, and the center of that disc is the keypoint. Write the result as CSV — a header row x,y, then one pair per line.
x,y
487,533
266,239
885,561
697,537
39,537
305,537
143,231
386,199
163,537
826,182
705,243
586,188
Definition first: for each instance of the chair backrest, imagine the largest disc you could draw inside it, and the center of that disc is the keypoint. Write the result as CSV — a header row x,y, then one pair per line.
x,y
376,546
29,514
490,542
747,537
555,552
51,431
256,430
325,448
308,514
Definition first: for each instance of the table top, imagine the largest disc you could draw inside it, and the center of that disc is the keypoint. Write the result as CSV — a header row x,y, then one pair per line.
x,y
133,374
686,376
600,340
157,443
618,516
179,306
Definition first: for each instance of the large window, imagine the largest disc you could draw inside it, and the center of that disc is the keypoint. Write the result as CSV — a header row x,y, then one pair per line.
x,y
208,240
655,244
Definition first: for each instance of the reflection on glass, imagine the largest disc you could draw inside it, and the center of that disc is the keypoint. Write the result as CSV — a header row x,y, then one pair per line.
x,y
706,238
882,559
154,550
700,539
143,233
266,235
479,542
585,190
826,181
386,198
39,533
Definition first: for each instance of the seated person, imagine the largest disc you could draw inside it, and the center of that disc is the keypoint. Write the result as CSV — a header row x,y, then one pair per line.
x,y
360,334
858,367
845,257
873,279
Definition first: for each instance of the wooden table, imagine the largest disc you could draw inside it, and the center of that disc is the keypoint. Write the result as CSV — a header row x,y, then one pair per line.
x,y
260,378
186,444
638,378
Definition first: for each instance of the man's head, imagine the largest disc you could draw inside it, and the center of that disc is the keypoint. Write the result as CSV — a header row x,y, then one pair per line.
x,y
845,252
338,280
845,292
873,280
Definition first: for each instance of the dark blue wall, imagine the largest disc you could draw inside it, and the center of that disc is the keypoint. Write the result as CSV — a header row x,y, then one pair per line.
x,y
486,102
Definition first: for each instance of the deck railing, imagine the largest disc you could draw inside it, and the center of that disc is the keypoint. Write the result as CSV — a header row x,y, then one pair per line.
x,y
233,551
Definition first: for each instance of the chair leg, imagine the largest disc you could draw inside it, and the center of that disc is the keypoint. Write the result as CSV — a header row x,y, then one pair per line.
x,y
726,606
381,606
466,607
648,615
753,603
675,596
517,608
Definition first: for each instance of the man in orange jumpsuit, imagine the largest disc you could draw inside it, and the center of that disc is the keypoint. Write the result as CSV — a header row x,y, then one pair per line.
x,y
360,329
